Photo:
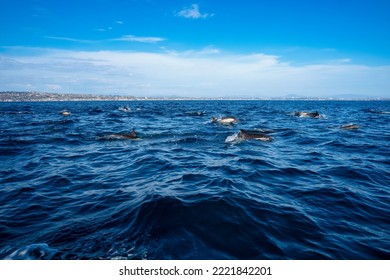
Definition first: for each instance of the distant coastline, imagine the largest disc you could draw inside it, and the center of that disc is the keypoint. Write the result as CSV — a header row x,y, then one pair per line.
x,y
16,96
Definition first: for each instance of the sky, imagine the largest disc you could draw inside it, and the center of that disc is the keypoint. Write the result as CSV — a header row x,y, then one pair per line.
x,y
204,48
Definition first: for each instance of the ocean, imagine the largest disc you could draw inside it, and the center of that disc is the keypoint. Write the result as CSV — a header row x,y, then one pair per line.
x,y
71,187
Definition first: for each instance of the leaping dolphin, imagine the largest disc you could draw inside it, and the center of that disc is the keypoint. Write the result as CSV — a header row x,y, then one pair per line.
x,y
224,120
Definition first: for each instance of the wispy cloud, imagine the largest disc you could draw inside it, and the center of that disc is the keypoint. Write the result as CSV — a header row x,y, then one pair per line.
x,y
193,12
132,38
345,60
110,28
127,38
70,39
104,29
207,72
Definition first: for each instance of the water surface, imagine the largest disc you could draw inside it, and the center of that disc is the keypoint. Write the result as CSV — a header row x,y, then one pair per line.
x,y
183,192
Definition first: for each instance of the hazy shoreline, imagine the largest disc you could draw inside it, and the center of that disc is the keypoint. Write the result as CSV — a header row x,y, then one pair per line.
x,y
14,96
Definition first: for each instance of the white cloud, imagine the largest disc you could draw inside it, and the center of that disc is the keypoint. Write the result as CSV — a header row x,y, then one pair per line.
x,y
193,12
132,38
188,73
345,60
128,38
70,39
54,87
209,50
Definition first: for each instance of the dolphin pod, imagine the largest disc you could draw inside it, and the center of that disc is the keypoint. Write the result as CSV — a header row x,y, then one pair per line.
x,y
243,134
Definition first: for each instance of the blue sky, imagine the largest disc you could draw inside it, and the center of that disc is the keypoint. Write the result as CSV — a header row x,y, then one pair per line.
x,y
263,48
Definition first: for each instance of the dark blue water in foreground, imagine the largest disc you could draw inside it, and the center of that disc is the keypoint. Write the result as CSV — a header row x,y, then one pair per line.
x,y
181,192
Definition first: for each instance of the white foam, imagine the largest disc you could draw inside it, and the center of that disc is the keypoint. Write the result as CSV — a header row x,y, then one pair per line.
x,y
232,139
33,252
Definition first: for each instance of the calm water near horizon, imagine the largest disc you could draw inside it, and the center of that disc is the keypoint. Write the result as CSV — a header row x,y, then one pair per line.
x,y
182,191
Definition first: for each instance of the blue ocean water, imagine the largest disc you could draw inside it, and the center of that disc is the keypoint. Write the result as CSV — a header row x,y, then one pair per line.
x,y
183,191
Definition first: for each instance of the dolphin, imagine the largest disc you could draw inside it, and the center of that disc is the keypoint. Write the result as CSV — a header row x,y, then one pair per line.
x,y
350,126
65,113
307,114
224,120
121,136
125,109
245,135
